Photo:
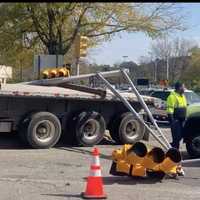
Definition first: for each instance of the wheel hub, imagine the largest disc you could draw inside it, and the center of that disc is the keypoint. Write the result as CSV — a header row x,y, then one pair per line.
x,y
131,129
44,130
196,144
90,129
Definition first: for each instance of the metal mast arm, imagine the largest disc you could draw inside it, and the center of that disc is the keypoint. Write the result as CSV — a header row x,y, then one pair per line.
x,y
145,107
128,105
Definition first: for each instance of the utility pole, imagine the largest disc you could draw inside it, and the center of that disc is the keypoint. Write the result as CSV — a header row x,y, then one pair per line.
x,y
77,66
156,69
167,62
124,57
21,72
39,67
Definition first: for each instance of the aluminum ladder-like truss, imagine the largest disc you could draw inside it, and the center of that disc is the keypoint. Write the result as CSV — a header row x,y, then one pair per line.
x,y
159,136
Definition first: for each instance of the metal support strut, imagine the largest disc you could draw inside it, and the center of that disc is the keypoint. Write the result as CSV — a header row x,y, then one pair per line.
x,y
141,100
160,138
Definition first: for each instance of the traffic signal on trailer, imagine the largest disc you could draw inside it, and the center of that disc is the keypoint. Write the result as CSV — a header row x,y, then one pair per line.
x,y
53,73
49,73
63,72
45,73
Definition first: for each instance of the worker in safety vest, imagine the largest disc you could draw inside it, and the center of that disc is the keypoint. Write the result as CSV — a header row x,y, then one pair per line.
x,y
176,109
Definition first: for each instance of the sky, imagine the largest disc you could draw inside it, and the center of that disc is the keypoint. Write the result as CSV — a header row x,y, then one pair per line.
x,y
135,45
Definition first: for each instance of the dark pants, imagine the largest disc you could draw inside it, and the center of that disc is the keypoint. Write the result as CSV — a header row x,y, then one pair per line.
x,y
176,129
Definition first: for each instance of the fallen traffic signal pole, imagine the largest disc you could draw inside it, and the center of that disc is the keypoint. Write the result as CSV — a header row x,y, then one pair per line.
x,y
172,162
59,80
160,138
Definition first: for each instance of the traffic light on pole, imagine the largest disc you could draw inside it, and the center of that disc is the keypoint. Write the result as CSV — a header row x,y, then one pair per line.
x,y
81,46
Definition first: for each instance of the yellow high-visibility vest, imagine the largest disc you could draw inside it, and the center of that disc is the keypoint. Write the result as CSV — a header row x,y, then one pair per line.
x,y
175,100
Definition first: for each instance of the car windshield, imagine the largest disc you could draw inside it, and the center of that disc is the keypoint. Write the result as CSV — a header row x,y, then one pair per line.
x,y
161,95
192,97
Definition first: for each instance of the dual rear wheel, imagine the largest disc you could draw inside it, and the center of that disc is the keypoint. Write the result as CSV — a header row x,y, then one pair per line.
x,y
126,129
43,129
40,130
87,129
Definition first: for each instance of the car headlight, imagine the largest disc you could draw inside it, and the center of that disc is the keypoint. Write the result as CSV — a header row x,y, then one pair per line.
x,y
159,103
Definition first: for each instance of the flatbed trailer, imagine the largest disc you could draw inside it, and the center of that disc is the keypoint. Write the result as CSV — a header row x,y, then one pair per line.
x,y
41,113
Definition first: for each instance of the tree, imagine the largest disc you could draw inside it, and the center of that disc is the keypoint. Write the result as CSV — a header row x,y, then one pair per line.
x,y
174,52
56,25
191,75
51,28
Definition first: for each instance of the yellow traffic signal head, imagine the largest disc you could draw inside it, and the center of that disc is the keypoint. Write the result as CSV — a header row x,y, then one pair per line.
x,y
139,149
154,157
49,73
45,74
53,73
81,46
171,161
63,72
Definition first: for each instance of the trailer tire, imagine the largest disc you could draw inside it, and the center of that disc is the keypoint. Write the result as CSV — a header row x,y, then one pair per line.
x,y
42,130
90,128
113,129
193,146
127,129
22,127
22,132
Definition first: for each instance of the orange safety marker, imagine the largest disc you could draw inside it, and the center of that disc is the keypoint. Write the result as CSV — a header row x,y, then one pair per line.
x,y
94,188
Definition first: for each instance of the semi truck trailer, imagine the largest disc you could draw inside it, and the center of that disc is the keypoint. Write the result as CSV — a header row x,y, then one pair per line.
x,y
42,111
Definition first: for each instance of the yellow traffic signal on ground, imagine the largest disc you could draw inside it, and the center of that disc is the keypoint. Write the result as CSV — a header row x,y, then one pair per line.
x,y
81,46
171,161
140,160
135,157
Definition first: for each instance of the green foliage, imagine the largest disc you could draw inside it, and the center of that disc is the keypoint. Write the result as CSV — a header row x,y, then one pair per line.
x,y
191,76
57,24
53,27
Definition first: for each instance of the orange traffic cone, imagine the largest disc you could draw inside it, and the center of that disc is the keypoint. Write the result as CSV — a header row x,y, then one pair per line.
x,y
94,188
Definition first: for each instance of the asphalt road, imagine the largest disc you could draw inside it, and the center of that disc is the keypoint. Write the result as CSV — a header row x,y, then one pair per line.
x,y
60,173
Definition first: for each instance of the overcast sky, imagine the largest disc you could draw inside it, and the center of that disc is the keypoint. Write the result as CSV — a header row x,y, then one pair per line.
x,y
135,45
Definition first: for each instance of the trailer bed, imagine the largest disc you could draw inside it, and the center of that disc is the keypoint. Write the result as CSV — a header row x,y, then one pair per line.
x,y
64,93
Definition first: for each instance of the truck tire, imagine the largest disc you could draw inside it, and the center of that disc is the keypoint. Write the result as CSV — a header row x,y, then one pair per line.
x,y
146,135
90,128
41,130
22,132
22,127
127,129
193,146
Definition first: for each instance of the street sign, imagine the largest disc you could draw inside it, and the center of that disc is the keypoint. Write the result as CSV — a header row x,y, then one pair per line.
x,y
5,71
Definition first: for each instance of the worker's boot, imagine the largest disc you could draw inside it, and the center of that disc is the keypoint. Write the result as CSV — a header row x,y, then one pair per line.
x,y
180,171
